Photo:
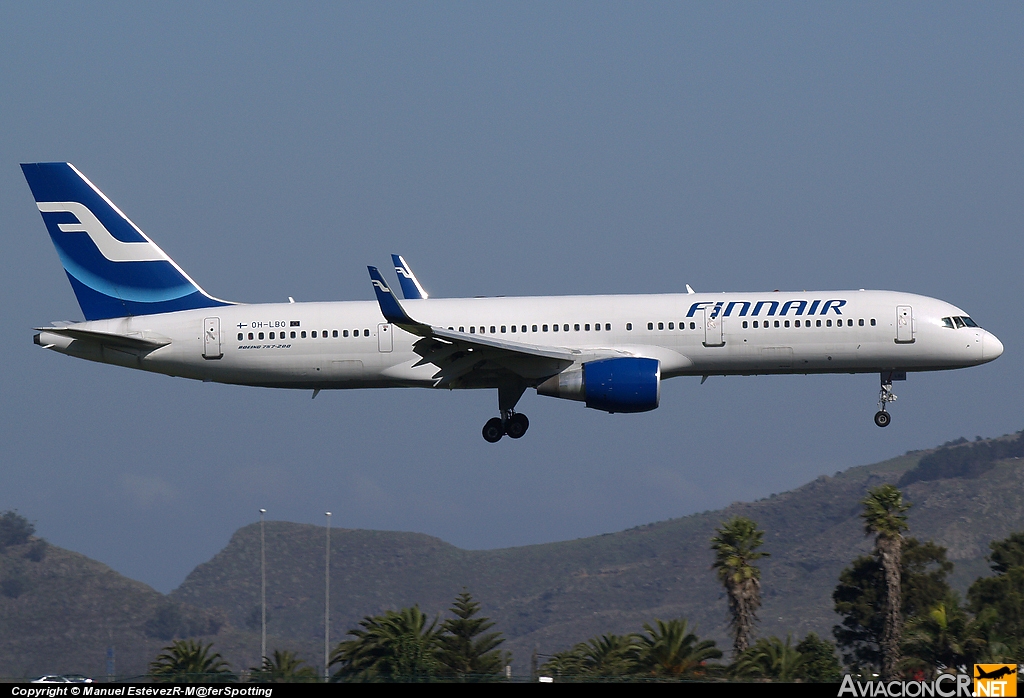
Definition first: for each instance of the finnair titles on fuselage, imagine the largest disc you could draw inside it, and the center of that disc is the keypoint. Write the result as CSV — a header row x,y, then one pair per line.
x,y
610,352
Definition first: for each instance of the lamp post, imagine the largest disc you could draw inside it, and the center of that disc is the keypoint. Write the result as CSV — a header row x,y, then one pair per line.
x,y
327,601
263,590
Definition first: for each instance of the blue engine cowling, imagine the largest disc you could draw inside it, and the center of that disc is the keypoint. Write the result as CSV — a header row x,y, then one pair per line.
x,y
627,384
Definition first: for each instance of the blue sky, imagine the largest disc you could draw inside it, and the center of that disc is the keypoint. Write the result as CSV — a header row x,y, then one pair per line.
x,y
514,149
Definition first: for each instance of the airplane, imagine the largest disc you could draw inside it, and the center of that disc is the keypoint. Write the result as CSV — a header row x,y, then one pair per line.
x,y
610,352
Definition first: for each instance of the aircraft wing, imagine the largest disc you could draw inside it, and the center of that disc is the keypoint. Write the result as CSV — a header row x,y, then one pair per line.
x,y
471,359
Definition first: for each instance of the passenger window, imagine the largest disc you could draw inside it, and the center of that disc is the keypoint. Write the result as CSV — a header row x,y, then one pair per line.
x,y
693,325
534,328
849,323
608,327
828,323
303,334
260,335
587,327
334,333
817,323
650,325
271,335
629,326
872,322
597,327
776,323
671,325
661,325
755,324
503,329
492,329
786,323
293,334
240,336
514,328
461,329
251,336
744,324
545,328
861,322
796,323
344,333
565,328
366,333
555,327
576,327
472,329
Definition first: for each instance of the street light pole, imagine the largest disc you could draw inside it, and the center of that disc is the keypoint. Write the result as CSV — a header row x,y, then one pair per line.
x,y
263,590
327,601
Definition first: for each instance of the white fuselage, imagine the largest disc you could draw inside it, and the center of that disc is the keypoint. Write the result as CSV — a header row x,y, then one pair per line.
x,y
273,345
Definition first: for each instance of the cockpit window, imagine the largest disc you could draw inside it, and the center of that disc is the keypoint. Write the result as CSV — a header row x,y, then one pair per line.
x,y
947,322
959,322
969,322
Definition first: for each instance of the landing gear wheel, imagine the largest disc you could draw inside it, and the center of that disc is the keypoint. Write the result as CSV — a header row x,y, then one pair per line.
x,y
882,419
517,426
493,430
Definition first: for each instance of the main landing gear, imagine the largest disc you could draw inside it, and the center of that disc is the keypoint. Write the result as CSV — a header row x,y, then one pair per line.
x,y
885,396
510,422
515,425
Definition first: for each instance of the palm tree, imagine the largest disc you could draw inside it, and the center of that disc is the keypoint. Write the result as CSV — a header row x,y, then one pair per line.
x,y
670,649
285,667
187,661
770,658
885,518
944,638
398,645
735,549
464,649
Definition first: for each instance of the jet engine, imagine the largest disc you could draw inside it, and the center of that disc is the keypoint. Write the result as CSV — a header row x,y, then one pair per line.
x,y
626,384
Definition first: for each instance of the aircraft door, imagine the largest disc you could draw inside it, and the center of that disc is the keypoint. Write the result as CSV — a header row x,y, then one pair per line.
x,y
713,331
385,340
904,324
211,338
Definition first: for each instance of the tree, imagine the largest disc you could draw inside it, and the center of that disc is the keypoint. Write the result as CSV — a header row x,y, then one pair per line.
x,y
770,658
285,667
397,645
15,529
821,665
944,638
464,648
187,661
859,598
998,601
885,518
607,656
735,549
671,650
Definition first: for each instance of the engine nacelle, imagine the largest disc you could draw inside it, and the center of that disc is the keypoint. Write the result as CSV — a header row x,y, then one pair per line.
x,y
627,384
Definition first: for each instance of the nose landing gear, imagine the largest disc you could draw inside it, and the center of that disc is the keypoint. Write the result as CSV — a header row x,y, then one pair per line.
x,y
885,396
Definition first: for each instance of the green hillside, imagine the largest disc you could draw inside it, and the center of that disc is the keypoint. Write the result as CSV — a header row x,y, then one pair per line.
x,y
551,596
59,610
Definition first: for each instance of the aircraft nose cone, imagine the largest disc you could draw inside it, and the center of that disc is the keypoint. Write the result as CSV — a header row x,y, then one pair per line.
x,y
991,347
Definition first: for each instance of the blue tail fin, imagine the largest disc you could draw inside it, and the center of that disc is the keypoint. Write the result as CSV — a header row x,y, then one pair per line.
x,y
114,269
411,288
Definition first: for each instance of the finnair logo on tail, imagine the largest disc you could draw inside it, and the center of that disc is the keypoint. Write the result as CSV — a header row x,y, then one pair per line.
x,y
381,285
110,247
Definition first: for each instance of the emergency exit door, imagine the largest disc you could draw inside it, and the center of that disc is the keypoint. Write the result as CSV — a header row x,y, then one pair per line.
x,y
713,334
385,340
904,324
211,338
